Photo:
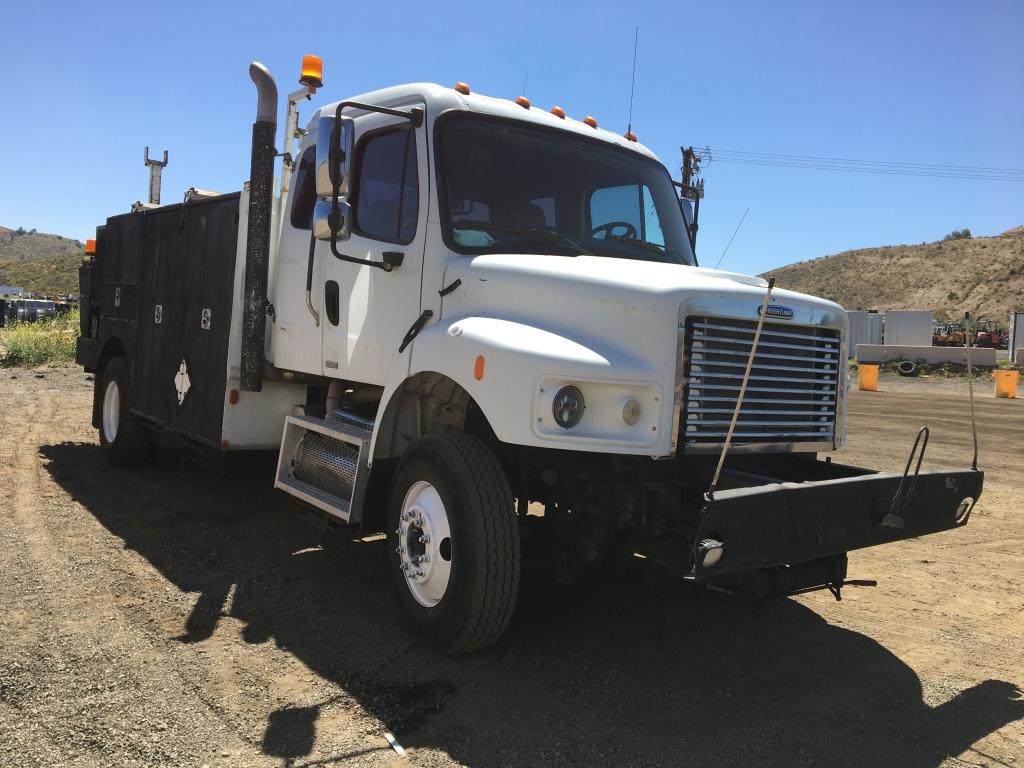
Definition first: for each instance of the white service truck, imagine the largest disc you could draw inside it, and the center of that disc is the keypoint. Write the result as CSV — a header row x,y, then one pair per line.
x,y
460,306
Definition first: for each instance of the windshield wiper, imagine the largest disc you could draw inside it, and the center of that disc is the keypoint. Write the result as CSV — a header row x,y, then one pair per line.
x,y
544,235
663,250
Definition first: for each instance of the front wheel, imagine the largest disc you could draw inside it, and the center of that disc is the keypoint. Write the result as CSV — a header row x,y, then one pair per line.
x,y
453,539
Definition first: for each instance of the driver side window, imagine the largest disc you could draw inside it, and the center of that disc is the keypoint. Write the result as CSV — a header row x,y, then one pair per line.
x,y
386,186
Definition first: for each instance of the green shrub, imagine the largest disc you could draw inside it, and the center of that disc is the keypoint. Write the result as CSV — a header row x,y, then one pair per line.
x,y
48,341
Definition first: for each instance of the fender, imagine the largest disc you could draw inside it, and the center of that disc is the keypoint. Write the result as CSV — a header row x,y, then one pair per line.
x,y
512,371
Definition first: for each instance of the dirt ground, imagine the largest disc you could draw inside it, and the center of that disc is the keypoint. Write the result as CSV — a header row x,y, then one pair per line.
x,y
169,616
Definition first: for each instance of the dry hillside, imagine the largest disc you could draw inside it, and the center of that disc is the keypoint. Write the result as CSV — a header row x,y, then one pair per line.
x,y
981,275
39,262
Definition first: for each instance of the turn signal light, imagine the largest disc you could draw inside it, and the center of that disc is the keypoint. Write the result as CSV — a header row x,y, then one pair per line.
x,y
312,72
523,102
462,88
590,121
478,368
558,112
90,246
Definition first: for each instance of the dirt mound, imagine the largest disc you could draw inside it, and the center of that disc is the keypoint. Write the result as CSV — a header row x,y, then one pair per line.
x,y
981,275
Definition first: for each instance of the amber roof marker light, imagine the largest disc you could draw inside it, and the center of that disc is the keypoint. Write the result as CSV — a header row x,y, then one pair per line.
x,y
557,111
588,120
523,102
462,88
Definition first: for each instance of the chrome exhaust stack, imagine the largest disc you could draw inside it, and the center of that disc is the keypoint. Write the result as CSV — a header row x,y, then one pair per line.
x,y
257,248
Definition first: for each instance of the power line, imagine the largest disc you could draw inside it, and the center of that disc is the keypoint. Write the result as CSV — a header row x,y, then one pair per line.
x,y
872,162
885,167
896,170
883,171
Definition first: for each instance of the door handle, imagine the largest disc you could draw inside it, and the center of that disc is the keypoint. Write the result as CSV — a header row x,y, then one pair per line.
x,y
331,302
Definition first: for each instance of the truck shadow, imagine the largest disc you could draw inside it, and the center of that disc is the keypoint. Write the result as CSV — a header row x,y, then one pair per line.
x,y
626,669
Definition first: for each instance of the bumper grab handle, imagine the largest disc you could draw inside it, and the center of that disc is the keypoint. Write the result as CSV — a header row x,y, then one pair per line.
x,y
894,519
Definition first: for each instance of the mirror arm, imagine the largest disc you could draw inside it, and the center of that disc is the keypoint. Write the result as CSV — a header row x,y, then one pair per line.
x,y
338,255
415,118
414,115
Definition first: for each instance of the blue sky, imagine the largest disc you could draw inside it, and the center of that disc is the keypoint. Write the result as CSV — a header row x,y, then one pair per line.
x,y
85,86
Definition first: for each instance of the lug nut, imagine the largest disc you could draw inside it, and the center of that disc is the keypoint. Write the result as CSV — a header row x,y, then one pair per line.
x,y
424,539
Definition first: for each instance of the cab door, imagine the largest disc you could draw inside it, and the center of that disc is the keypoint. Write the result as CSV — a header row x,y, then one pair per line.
x,y
367,310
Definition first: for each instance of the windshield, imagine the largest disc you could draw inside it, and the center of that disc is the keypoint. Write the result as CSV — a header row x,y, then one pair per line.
x,y
512,187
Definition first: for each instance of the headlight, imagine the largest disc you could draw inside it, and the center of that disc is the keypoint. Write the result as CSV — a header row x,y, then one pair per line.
x,y
568,407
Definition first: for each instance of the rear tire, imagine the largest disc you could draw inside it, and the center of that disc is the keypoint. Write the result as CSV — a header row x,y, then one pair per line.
x,y
123,436
453,542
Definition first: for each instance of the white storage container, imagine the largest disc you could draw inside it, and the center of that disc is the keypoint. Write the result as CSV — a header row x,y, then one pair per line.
x,y
1016,333
908,327
865,328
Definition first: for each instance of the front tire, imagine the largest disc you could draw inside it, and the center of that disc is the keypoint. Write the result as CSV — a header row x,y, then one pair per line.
x,y
123,437
453,542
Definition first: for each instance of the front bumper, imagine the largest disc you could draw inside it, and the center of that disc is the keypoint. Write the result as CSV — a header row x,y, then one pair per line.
x,y
788,523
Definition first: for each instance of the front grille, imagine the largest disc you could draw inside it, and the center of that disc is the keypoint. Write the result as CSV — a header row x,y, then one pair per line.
x,y
792,394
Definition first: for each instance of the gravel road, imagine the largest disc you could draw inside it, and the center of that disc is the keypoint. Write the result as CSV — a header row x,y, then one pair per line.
x,y
171,616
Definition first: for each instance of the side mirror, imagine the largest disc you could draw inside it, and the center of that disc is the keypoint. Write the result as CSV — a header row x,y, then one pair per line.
x,y
334,155
323,225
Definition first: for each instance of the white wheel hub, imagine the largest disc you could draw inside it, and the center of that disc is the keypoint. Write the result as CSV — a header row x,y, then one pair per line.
x,y
424,544
111,411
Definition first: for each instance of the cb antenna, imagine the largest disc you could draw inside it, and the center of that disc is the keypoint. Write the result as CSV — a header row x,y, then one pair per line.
x,y
742,218
632,84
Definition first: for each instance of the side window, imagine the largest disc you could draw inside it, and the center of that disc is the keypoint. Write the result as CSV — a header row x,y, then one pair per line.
x,y
387,187
304,191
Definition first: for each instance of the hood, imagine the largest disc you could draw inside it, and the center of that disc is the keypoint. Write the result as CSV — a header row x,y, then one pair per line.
x,y
527,284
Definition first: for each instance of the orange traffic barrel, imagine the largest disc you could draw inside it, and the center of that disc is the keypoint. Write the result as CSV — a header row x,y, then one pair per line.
x,y
868,378
1006,383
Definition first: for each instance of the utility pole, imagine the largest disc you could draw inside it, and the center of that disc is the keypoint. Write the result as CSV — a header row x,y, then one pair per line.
x,y
155,169
693,185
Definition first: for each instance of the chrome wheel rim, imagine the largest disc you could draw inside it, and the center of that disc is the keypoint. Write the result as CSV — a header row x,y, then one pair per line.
x,y
111,411
424,544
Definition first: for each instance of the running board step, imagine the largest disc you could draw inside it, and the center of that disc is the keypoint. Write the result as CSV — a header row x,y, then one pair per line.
x,y
323,463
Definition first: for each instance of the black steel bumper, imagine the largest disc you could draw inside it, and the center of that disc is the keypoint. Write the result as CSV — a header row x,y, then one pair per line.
x,y
792,523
